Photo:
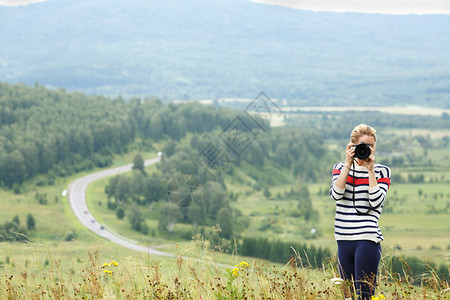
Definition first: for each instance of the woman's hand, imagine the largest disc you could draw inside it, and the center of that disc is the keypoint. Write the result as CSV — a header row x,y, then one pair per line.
x,y
342,179
349,154
369,162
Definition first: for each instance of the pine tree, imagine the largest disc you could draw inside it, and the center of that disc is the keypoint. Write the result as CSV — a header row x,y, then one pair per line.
x,y
31,223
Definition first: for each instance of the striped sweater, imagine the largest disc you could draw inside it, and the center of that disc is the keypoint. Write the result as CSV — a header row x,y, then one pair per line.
x,y
349,225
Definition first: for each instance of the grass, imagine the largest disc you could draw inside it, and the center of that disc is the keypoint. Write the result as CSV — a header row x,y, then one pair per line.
x,y
55,211
70,271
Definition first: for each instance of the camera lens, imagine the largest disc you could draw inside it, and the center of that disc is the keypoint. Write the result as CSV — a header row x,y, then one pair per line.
x,y
362,151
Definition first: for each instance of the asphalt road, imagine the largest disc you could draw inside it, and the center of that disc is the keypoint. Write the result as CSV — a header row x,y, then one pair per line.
x,y
77,198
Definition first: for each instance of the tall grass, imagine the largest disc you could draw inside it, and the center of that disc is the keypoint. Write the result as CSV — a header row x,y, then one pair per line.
x,y
143,276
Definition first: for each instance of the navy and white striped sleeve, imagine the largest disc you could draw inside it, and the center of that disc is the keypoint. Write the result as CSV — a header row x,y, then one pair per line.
x,y
336,193
377,194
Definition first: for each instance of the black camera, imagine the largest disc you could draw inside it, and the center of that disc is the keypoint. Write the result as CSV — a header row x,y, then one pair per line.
x,y
362,151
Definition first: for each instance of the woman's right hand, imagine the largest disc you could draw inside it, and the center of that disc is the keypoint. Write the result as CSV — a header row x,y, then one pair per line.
x,y
349,154
345,170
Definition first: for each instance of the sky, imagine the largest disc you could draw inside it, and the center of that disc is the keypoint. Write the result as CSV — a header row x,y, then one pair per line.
x,y
365,6
18,2
368,6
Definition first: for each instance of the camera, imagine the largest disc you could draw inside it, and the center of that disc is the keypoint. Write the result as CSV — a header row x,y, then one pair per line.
x,y
362,151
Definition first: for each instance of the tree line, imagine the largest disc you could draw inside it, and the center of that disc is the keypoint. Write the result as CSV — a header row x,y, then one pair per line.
x,y
415,270
409,269
283,252
338,125
54,132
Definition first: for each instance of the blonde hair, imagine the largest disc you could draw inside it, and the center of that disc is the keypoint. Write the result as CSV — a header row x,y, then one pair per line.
x,y
360,130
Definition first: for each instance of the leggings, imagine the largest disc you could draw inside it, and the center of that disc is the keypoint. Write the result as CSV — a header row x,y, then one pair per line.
x,y
358,262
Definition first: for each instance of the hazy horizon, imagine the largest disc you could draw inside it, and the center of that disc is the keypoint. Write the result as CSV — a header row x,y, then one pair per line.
x,y
367,6
18,2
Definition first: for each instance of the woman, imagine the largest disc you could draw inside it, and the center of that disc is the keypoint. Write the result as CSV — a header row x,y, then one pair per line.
x,y
359,187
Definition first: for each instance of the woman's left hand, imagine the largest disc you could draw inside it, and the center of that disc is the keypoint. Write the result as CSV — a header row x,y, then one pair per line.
x,y
369,162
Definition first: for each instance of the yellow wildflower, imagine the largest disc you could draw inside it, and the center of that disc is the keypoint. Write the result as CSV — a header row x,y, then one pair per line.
x,y
374,298
244,265
381,296
114,263
106,265
108,272
235,272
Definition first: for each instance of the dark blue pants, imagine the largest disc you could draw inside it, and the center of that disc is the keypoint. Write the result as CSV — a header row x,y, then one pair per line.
x,y
358,261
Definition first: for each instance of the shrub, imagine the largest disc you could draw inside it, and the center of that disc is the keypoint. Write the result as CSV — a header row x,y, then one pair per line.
x,y
120,213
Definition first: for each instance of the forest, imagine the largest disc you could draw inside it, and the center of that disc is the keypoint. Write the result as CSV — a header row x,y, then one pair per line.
x,y
57,133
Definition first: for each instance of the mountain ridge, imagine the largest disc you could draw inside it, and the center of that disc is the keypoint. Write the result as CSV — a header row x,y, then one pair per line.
x,y
210,49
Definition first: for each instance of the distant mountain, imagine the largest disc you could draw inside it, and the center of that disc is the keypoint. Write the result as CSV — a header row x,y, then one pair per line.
x,y
208,49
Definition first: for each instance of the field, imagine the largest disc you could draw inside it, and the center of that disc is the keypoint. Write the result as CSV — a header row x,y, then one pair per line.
x,y
414,224
98,270
402,110
412,229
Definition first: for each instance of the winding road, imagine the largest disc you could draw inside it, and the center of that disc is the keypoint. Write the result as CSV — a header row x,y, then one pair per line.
x,y
77,198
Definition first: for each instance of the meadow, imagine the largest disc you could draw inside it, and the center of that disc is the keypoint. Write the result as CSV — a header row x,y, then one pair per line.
x,y
98,270
64,260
